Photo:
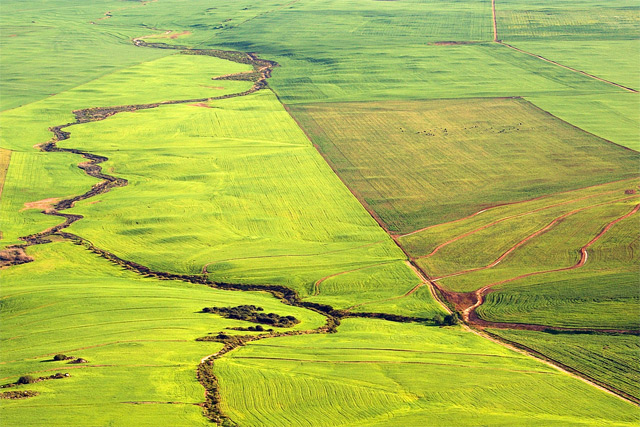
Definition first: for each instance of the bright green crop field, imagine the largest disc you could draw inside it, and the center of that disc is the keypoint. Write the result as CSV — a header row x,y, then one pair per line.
x,y
383,374
612,359
393,166
137,335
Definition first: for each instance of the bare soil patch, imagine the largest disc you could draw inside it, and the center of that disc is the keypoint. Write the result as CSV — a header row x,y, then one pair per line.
x,y
44,204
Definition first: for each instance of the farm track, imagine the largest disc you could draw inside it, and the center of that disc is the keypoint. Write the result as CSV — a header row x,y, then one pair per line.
x,y
491,224
533,235
449,300
519,202
470,315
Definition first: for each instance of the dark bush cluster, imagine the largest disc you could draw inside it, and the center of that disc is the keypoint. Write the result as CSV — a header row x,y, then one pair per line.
x,y
448,320
257,328
26,379
58,357
251,313
18,394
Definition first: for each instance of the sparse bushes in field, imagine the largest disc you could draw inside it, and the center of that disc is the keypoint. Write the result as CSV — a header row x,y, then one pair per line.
x,y
251,313
61,357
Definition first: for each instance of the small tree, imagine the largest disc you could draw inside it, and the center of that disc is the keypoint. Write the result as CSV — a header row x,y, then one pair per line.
x,y
438,319
60,357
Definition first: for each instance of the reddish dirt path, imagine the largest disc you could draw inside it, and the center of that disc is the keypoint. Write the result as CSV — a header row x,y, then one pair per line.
x,y
396,236
319,282
469,233
531,236
469,313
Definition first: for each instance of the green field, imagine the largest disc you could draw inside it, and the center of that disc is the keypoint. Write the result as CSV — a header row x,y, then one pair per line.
x,y
384,374
612,359
396,146
556,248
137,334
418,164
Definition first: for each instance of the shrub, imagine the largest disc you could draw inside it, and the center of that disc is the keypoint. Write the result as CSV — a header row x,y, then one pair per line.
x,y
251,313
60,357
26,379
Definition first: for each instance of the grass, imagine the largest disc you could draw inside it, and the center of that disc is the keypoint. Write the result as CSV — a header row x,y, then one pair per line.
x,y
614,60
238,188
372,285
377,373
485,246
137,334
611,359
59,47
613,116
434,161
31,177
567,20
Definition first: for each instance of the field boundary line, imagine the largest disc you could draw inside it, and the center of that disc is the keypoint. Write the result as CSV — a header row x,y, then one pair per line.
x,y
541,357
495,21
544,196
575,70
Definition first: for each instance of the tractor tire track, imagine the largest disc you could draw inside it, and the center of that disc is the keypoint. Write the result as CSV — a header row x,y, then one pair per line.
x,y
316,285
469,314
491,224
15,254
518,202
532,236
